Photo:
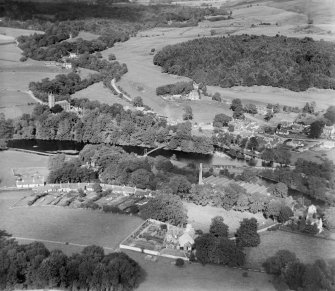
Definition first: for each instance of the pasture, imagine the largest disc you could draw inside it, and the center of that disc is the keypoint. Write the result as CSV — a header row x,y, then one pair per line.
x,y
308,249
200,216
13,159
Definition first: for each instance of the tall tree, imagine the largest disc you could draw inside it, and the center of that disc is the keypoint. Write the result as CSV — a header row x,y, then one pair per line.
x,y
218,228
246,235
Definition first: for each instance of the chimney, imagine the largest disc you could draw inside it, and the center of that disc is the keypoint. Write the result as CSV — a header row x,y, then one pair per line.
x,y
200,174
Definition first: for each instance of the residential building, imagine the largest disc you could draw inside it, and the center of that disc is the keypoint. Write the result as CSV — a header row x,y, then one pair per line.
x,y
328,132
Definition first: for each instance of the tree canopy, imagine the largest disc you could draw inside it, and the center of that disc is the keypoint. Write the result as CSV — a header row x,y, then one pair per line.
x,y
166,208
35,267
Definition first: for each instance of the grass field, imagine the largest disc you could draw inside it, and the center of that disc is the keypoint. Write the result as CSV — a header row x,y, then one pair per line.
x,y
100,93
308,249
200,216
164,276
77,226
13,159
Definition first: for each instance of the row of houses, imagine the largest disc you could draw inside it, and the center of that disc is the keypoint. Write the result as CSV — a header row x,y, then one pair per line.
x,y
41,186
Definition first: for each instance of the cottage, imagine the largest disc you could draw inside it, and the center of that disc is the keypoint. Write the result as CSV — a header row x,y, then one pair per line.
x,y
185,241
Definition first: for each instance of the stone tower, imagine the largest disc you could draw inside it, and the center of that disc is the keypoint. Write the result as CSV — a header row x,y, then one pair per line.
x,y
51,100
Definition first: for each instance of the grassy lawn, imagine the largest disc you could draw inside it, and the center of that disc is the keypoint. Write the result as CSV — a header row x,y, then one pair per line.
x,y
12,159
200,216
308,249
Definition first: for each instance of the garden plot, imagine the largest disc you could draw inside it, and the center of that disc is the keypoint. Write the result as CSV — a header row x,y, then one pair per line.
x,y
162,239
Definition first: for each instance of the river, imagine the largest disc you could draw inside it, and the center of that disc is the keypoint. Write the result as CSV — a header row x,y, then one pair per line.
x,y
73,147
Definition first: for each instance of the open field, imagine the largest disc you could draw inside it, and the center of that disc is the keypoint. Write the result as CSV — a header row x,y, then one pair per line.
x,y
13,159
200,216
92,227
164,276
76,226
308,249
100,93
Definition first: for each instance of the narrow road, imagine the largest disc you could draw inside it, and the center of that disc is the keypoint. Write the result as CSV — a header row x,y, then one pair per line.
x,y
119,92
35,98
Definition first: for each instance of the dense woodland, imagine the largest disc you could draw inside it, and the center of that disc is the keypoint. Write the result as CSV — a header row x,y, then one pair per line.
x,y
33,266
247,60
101,123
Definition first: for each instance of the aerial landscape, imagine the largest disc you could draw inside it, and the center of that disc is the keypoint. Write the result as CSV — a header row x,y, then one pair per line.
x,y
167,145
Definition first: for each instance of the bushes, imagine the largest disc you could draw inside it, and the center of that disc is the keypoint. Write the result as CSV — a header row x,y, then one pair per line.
x,y
179,262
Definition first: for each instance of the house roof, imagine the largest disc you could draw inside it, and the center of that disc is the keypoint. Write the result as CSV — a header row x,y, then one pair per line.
x,y
185,239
